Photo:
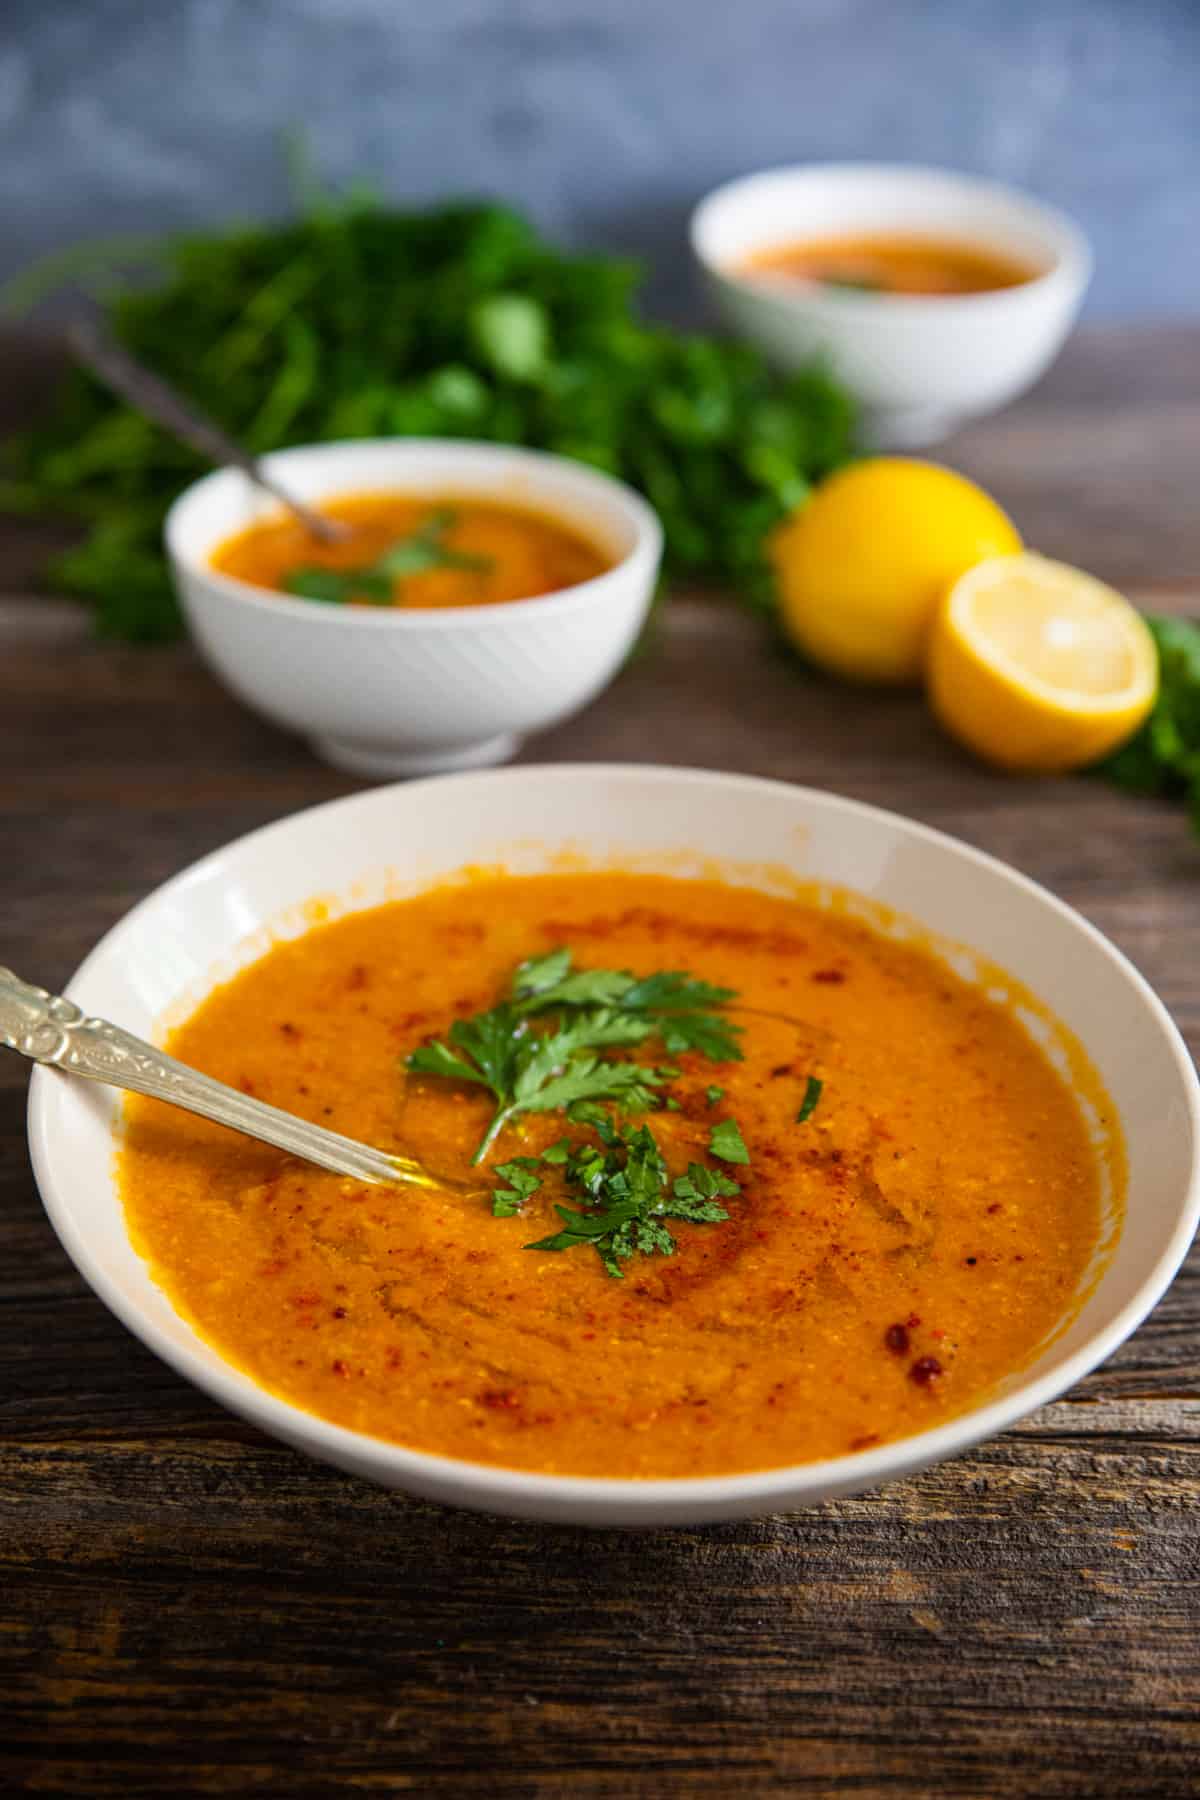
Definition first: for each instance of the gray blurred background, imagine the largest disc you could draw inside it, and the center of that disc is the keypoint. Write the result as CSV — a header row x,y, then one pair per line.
x,y
606,118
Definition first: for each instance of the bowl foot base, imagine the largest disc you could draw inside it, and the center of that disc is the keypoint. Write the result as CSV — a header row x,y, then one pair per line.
x,y
387,765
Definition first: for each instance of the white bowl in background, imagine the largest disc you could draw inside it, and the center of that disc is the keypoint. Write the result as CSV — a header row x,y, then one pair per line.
x,y
919,365
215,916
383,692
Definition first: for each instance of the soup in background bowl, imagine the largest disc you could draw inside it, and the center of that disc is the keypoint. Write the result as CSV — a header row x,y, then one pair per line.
x,y
287,912
882,263
414,551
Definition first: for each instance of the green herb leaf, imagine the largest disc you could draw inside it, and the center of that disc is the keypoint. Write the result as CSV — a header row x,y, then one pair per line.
x,y
586,1112
1163,757
522,1182
713,1094
697,1192
725,1141
540,973
512,333
338,587
584,987
439,1059
812,1094
683,1010
497,1044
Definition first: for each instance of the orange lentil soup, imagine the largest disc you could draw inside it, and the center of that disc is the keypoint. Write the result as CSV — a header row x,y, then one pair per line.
x,y
891,265
887,1262
419,551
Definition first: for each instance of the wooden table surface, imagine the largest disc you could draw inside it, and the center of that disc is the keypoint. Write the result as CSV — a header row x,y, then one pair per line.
x,y
190,1608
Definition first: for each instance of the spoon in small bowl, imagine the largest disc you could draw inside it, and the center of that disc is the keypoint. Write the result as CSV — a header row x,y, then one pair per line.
x,y
49,1029
101,353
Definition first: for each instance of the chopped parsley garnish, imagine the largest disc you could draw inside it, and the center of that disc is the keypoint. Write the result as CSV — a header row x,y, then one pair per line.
x,y
547,1047
425,548
522,1182
703,1184
623,1181
713,1094
725,1140
812,1093
543,1048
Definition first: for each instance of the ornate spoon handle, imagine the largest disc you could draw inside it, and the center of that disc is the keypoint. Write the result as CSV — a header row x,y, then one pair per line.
x,y
49,1029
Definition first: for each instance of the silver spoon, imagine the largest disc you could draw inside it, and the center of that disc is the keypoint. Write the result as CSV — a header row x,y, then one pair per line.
x,y
150,394
49,1029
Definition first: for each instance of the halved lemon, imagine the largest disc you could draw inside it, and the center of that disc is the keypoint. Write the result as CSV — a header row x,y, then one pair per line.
x,y
1037,667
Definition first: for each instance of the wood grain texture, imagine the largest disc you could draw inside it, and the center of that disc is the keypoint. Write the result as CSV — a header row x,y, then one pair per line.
x,y
187,1608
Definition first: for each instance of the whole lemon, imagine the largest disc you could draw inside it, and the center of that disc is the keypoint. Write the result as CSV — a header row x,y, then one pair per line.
x,y
862,567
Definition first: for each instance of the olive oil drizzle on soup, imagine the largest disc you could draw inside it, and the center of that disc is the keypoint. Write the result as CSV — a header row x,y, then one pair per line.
x,y
890,1258
483,554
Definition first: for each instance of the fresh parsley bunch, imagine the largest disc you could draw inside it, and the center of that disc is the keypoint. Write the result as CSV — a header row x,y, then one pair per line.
x,y
358,320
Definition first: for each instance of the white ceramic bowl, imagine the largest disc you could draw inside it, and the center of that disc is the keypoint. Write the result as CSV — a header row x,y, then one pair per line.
x,y
382,692
918,365
215,915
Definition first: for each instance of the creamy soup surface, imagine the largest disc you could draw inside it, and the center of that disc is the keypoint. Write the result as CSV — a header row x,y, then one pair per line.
x,y
888,1260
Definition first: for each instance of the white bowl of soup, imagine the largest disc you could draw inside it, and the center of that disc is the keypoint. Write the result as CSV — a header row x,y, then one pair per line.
x,y
863,1146
935,296
480,593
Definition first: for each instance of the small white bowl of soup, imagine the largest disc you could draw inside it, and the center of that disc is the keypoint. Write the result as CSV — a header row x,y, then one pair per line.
x,y
481,593
952,1152
935,296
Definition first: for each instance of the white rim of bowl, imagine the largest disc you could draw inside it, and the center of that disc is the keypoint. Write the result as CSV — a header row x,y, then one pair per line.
x,y
647,546
1065,241
483,1484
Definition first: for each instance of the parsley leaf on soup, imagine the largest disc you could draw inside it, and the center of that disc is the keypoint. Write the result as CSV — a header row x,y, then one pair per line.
x,y
544,1048
529,1071
627,1197
685,1012
812,1095
725,1140
522,1182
